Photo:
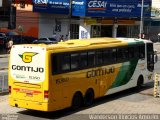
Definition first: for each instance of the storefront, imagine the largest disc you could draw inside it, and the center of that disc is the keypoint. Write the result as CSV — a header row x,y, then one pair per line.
x,y
87,18
27,22
54,17
104,18
104,28
153,31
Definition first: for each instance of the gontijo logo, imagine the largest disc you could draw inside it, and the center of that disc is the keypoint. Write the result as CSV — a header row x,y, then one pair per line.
x,y
27,56
97,5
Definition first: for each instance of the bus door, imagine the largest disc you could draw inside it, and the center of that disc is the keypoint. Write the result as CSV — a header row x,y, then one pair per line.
x,y
101,72
150,61
150,57
102,85
108,73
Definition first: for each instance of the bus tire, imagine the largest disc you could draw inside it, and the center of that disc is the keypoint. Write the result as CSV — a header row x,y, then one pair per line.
x,y
140,82
77,101
89,97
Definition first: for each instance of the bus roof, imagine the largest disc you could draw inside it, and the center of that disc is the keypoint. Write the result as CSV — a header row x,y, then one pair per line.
x,y
91,43
94,42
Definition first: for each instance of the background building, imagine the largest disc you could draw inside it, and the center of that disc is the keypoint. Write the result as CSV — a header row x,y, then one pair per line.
x,y
79,19
154,21
87,18
27,22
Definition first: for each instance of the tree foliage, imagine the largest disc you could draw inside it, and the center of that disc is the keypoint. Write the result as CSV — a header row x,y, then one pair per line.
x,y
156,11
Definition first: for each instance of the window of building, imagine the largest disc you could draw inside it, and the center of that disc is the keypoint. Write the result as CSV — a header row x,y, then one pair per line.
x,y
95,31
74,31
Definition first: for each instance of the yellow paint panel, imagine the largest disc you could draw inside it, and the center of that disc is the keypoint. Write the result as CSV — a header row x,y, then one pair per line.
x,y
77,81
108,79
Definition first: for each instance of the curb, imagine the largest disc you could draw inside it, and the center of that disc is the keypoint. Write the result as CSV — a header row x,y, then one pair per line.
x,y
3,68
4,56
4,93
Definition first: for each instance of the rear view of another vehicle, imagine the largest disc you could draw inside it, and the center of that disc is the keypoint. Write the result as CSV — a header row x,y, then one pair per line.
x,y
27,77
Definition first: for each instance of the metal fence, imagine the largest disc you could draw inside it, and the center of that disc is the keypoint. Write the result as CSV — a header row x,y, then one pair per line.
x,y
3,81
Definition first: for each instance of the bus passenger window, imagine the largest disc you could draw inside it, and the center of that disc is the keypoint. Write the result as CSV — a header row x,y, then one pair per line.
x,y
136,52
141,52
54,62
131,52
113,55
119,54
91,58
83,59
99,57
125,53
74,61
65,63
106,56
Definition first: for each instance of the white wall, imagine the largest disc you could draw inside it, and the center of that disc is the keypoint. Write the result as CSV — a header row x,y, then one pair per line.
x,y
84,30
156,3
47,25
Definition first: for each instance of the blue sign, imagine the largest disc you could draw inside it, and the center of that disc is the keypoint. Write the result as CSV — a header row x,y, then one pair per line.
x,y
52,6
79,8
111,8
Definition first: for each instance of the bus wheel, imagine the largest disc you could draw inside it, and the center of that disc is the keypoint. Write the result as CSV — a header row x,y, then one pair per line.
x,y
140,82
89,97
76,101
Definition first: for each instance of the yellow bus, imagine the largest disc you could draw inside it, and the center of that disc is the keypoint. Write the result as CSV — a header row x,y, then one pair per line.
x,y
75,72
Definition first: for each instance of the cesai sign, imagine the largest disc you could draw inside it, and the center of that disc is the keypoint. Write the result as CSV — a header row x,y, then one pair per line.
x,y
97,4
110,8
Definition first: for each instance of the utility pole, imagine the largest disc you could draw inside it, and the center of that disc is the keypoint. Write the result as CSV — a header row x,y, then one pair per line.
x,y
141,22
12,17
7,14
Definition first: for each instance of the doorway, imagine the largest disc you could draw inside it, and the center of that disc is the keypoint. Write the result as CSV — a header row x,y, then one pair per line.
x,y
122,31
106,31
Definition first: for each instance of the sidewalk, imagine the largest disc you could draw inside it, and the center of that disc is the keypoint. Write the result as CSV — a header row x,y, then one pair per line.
x,y
157,46
4,55
3,62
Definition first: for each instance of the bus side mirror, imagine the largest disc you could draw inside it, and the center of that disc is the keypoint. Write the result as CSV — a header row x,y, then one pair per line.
x,y
155,56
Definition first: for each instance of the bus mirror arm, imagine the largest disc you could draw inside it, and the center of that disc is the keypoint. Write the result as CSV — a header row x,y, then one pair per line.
x,y
155,57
